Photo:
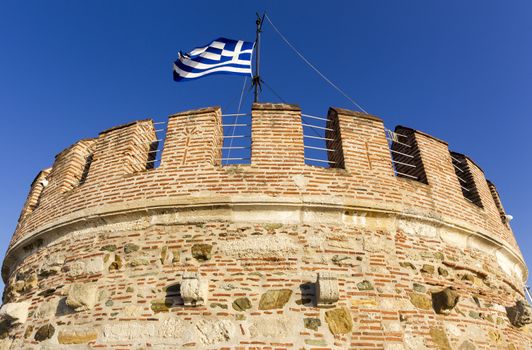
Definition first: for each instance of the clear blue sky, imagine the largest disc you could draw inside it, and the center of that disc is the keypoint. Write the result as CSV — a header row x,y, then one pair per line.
x,y
459,70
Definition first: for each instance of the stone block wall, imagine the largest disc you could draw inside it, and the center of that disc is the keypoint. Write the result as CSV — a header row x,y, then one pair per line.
x,y
110,254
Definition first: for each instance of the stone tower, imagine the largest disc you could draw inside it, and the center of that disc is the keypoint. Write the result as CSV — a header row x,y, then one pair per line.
x,y
394,246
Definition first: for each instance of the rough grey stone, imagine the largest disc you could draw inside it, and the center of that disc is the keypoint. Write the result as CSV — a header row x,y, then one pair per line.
x,y
339,321
364,285
15,313
45,332
312,323
201,252
520,314
419,288
82,296
130,248
241,304
444,301
274,299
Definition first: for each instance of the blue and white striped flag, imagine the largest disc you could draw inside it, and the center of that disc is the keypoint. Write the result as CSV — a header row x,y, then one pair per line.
x,y
220,56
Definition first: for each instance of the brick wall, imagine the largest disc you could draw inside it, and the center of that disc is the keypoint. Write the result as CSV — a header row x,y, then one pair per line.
x,y
359,221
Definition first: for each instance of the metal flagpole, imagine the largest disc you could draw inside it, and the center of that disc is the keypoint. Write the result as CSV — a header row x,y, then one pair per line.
x,y
256,82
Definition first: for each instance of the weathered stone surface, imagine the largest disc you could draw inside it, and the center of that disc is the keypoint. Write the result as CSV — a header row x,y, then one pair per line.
x,y
90,266
439,338
193,289
341,260
161,305
443,272
312,323
327,289
94,265
46,309
315,342
421,301
26,282
45,332
109,248
475,314
4,329
76,335
276,246
466,345
82,296
220,305
241,304
274,299
130,248
166,256
439,256
116,264
374,243
212,332
339,321
429,269
201,252
15,313
407,264
52,265
419,288
444,301
468,277
364,285
139,261
171,328
520,314
270,326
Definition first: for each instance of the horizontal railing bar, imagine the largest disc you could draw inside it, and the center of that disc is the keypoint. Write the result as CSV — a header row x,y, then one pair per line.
x,y
236,136
410,165
411,176
320,160
313,117
236,124
157,130
317,127
156,123
404,144
458,168
456,160
388,131
467,189
157,150
153,161
234,158
469,200
155,141
318,138
401,153
236,147
235,114
459,178
320,148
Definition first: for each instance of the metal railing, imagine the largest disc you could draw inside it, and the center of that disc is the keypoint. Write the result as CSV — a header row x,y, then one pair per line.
x,y
465,179
400,153
236,147
315,146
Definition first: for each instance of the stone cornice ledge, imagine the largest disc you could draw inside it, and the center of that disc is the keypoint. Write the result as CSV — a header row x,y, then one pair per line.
x,y
296,208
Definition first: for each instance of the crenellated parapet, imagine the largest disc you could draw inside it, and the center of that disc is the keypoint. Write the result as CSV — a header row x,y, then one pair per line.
x,y
386,239
414,176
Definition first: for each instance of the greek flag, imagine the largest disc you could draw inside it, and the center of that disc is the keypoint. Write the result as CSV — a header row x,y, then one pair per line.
x,y
223,55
